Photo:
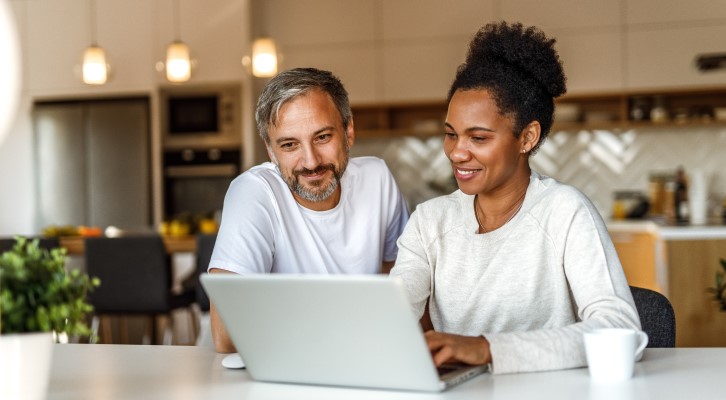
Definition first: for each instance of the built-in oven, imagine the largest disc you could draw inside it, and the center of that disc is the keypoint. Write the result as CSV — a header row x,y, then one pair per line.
x,y
196,180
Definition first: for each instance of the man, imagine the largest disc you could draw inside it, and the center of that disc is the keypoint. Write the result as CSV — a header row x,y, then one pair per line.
x,y
312,209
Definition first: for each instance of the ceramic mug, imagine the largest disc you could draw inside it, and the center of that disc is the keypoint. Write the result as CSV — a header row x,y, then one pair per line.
x,y
611,353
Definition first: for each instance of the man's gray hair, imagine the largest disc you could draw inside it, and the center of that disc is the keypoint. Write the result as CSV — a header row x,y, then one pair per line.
x,y
292,83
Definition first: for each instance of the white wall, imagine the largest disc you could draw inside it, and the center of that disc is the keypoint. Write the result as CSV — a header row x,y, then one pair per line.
x,y
384,50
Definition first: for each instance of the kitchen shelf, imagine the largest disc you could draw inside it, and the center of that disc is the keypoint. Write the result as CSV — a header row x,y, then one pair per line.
x,y
695,107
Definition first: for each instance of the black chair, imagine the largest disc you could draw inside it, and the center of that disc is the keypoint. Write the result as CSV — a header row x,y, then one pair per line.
x,y
136,279
205,246
656,317
48,243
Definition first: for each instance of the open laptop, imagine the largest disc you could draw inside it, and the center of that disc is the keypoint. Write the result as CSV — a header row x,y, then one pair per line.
x,y
339,330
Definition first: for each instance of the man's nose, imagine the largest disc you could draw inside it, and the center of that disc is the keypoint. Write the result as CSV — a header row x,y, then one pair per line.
x,y
311,158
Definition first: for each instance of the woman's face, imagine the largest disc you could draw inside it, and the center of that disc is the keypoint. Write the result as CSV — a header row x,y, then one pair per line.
x,y
479,142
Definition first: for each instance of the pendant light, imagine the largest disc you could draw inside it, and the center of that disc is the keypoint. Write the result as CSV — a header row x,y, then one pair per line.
x,y
178,64
95,69
264,57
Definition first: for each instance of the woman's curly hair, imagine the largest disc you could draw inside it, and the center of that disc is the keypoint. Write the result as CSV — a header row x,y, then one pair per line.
x,y
521,70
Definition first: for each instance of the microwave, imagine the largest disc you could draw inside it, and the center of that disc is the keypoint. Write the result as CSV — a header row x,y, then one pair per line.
x,y
201,116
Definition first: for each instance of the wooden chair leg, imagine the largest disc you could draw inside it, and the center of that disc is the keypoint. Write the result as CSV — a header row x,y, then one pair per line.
x,y
106,330
123,329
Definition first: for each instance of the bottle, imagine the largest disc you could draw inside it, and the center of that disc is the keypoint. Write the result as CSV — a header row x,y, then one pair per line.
x,y
680,197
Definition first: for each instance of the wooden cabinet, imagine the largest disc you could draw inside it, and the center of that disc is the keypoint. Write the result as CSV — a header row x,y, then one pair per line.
x,y
404,119
643,109
638,254
692,265
615,110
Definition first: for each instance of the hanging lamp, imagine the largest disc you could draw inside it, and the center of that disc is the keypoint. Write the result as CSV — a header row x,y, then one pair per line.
x,y
95,68
178,63
264,57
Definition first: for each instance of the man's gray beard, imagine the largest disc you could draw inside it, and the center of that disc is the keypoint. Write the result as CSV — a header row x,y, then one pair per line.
x,y
315,196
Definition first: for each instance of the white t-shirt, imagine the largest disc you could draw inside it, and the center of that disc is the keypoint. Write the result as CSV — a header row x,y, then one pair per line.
x,y
532,287
264,229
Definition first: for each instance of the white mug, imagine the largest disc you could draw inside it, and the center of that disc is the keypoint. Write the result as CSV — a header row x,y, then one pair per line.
x,y
611,353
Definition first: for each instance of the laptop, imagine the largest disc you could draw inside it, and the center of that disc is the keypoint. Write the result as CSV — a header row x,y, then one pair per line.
x,y
337,330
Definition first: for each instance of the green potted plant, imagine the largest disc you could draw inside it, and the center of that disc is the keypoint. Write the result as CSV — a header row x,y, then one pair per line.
x,y
719,292
38,300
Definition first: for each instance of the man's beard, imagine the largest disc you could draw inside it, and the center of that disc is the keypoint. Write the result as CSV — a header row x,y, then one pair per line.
x,y
316,192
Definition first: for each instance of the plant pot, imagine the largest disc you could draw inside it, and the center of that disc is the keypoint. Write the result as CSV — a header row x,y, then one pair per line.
x,y
25,365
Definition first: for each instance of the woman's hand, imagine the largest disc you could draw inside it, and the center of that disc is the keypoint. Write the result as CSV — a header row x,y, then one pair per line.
x,y
446,347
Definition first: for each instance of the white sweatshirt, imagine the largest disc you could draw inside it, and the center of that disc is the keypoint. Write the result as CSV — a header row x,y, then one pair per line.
x,y
531,287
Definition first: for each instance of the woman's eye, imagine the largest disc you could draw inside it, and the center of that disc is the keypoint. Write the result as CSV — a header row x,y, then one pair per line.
x,y
478,139
450,135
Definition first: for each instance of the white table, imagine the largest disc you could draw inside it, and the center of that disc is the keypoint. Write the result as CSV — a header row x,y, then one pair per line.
x,y
82,371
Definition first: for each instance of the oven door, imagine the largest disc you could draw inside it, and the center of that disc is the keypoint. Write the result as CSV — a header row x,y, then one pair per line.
x,y
196,186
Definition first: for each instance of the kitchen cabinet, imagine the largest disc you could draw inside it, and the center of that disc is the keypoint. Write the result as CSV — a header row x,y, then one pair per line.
x,y
92,161
614,110
680,262
692,266
638,253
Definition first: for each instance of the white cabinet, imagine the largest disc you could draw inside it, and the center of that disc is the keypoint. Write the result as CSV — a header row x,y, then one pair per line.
x,y
93,163
665,57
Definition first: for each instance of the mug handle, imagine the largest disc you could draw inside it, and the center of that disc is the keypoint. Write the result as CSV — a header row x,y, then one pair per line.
x,y
643,342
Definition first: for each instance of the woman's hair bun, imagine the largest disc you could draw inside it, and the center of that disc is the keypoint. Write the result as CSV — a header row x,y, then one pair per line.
x,y
527,50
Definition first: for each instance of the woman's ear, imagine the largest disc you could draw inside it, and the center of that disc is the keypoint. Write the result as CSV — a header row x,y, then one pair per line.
x,y
530,136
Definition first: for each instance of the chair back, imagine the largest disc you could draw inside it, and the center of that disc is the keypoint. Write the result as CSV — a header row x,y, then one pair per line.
x,y
135,274
205,246
48,243
656,317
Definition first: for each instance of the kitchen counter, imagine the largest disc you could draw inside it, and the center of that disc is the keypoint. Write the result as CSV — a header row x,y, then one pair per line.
x,y
681,262
669,231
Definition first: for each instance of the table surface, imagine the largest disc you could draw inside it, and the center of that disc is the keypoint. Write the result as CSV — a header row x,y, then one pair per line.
x,y
83,371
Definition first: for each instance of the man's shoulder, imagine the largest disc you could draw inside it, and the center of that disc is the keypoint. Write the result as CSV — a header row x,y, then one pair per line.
x,y
262,178
367,163
367,170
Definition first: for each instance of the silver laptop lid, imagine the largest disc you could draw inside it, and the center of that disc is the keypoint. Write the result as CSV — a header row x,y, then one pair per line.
x,y
338,330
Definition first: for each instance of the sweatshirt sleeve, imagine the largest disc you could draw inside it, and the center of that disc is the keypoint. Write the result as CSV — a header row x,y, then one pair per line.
x,y
412,268
598,290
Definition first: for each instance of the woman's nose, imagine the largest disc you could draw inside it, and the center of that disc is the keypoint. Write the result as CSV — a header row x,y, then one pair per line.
x,y
459,151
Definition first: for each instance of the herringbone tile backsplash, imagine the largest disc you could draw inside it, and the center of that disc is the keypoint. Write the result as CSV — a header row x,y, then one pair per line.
x,y
597,162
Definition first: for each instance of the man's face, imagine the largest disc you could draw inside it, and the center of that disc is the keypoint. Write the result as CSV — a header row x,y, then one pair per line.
x,y
310,147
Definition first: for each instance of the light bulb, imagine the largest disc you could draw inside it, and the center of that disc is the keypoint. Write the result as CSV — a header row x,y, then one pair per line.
x,y
264,58
95,71
178,66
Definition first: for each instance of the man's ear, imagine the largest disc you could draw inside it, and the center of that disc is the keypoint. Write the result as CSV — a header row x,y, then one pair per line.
x,y
271,154
350,133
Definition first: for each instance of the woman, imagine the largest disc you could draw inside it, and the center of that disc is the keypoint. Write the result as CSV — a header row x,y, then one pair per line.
x,y
513,267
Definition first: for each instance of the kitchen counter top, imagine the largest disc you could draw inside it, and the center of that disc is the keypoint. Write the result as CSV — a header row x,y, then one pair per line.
x,y
669,232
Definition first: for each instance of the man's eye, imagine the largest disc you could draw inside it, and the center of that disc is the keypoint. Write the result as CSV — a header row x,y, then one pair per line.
x,y
324,137
449,135
287,146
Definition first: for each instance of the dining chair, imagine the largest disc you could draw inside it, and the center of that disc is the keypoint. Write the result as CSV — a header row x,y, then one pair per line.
x,y
48,243
657,318
136,279
205,246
